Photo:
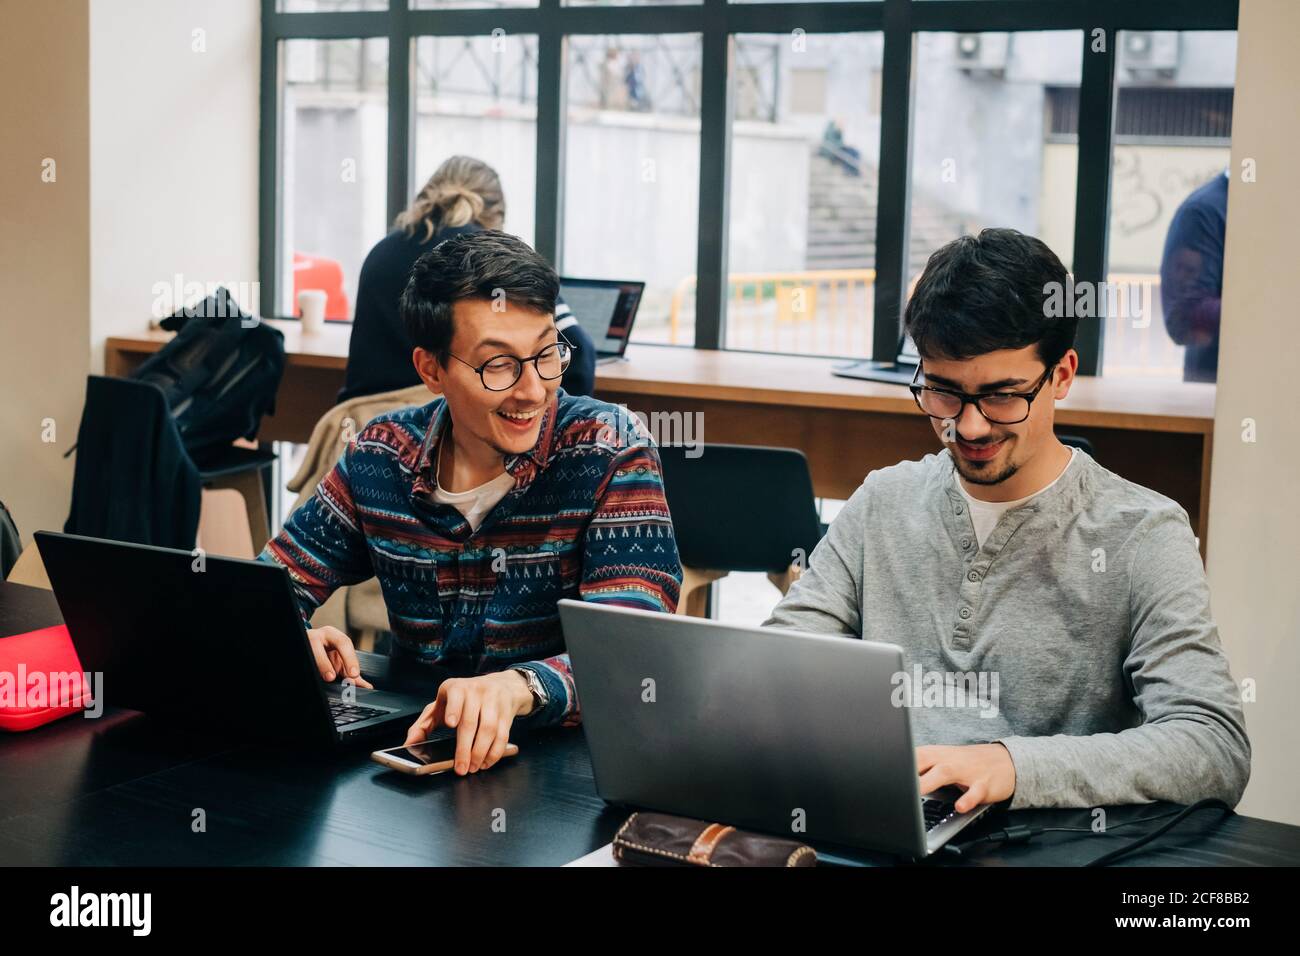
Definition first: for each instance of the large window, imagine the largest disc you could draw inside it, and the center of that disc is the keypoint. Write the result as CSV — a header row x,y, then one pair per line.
x,y
632,172
1169,196
477,96
981,151
805,168
776,173
333,168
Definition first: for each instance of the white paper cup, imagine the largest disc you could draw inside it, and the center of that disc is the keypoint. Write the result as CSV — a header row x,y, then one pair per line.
x,y
311,306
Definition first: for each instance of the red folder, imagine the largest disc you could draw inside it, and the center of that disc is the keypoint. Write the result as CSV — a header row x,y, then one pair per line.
x,y
40,679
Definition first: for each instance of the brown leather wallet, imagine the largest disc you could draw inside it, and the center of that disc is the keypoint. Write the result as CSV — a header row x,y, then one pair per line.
x,y
658,839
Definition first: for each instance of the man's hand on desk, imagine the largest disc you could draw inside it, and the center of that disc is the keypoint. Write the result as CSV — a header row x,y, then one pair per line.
x,y
482,710
335,655
985,771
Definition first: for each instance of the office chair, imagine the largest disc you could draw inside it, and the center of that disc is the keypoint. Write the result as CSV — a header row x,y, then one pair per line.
x,y
739,508
135,481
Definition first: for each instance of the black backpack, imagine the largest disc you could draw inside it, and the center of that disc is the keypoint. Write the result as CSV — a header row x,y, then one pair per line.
x,y
220,373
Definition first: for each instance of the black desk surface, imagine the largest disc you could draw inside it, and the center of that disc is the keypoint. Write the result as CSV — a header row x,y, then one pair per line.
x,y
122,790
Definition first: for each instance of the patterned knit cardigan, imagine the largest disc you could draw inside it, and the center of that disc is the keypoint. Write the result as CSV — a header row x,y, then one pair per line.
x,y
586,519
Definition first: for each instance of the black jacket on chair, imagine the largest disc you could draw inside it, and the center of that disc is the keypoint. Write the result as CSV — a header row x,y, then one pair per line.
x,y
134,480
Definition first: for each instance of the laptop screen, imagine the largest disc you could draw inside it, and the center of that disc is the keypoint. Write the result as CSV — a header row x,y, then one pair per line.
x,y
605,308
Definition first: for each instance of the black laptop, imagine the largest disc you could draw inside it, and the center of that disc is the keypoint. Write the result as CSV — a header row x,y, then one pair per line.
x,y
218,644
900,371
606,309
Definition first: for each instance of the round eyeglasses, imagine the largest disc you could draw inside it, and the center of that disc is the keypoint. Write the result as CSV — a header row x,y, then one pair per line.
x,y
500,372
1000,408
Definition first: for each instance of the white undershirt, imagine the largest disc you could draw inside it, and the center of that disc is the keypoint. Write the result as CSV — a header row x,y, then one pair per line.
x,y
474,504
984,515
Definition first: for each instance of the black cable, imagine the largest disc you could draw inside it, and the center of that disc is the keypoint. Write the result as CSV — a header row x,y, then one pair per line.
x,y
1114,855
1023,834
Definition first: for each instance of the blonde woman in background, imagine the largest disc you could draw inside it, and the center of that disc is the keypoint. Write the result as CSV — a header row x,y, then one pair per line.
x,y
463,195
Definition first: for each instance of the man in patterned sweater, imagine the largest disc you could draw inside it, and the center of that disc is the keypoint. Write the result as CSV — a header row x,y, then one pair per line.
x,y
481,509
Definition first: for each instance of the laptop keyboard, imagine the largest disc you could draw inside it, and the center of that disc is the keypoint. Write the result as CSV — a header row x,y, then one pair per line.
x,y
345,713
936,811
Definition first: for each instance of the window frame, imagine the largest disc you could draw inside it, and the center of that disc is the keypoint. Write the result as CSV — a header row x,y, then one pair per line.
x,y
717,21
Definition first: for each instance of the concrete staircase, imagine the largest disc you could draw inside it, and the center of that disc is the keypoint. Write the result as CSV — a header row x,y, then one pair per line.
x,y
842,220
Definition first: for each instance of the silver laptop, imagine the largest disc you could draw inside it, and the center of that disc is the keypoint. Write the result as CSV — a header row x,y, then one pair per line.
x,y
760,728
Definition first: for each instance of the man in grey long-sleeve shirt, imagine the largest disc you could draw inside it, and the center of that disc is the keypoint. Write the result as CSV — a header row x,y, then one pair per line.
x,y
1078,597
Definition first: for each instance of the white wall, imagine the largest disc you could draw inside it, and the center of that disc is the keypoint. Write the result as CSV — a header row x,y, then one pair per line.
x,y
174,150
1254,547
44,253
155,146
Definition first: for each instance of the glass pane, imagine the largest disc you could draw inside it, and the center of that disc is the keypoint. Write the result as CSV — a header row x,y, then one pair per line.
x,y
629,3
634,133
468,4
797,1
477,96
805,156
329,6
994,143
334,167
1169,201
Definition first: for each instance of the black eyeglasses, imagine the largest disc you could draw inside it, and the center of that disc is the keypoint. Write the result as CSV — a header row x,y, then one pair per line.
x,y
500,372
1000,408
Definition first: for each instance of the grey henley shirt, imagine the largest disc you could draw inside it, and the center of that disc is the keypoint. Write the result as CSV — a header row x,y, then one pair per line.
x,y
1086,611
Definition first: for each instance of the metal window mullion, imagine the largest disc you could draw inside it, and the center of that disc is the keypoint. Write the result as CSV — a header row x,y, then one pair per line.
x,y
809,17
995,16
324,26
1092,188
896,97
552,102
268,199
568,20
713,199
400,114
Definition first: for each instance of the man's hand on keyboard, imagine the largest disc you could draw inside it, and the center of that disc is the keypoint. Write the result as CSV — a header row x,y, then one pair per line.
x,y
985,771
335,655
482,710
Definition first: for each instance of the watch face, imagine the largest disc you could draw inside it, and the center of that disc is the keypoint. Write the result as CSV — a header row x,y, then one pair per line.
x,y
535,686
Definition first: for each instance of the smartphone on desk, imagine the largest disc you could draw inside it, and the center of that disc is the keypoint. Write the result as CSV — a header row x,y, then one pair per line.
x,y
430,756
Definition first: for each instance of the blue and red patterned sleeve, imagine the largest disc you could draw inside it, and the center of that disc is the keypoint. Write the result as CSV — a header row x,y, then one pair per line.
x,y
629,559
322,544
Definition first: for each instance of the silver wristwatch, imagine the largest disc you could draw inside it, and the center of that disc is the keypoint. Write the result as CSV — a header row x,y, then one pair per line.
x,y
535,687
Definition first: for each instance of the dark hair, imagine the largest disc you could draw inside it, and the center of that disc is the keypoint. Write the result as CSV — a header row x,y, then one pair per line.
x,y
988,292
485,264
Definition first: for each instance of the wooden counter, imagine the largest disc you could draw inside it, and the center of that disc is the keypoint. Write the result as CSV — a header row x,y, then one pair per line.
x,y
1156,433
